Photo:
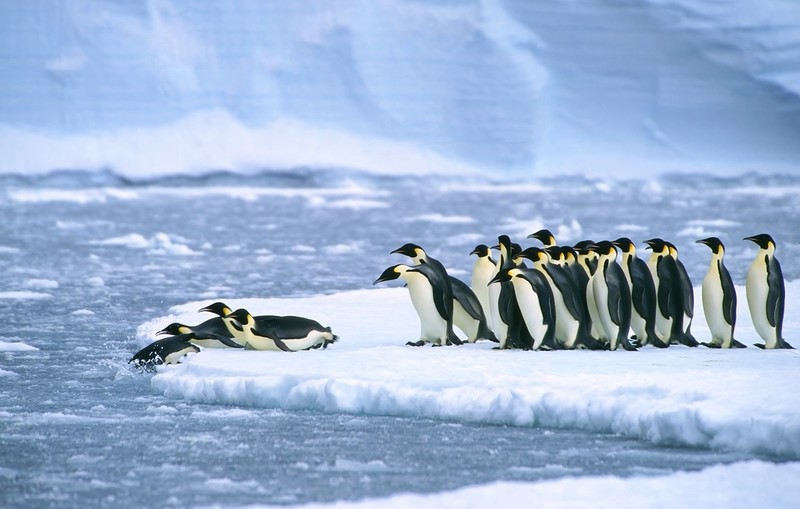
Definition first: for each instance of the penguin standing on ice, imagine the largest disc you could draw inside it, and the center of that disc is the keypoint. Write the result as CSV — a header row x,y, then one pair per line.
x,y
766,293
510,329
429,299
643,293
719,298
164,351
438,272
571,323
688,297
535,301
669,293
612,297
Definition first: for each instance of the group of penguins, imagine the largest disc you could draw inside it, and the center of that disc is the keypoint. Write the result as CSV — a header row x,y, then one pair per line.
x,y
234,329
569,297
566,297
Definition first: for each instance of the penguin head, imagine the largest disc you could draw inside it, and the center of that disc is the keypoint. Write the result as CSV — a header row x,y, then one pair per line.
x,y
605,248
411,250
657,245
173,329
533,254
218,308
555,254
241,315
482,250
569,255
544,236
583,244
673,251
763,240
714,243
626,245
505,275
391,273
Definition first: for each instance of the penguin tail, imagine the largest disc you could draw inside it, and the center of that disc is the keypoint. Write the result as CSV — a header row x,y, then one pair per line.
x,y
737,344
785,345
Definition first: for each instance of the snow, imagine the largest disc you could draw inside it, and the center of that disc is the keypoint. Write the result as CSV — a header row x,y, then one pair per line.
x,y
742,485
720,399
397,87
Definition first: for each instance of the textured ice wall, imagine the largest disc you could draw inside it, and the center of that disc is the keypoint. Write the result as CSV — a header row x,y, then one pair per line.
x,y
509,86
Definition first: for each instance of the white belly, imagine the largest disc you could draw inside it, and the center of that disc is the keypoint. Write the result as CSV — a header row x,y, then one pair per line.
x,y
256,342
481,275
757,289
597,328
721,331
528,301
600,290
465,322
176,357
313,339
433,326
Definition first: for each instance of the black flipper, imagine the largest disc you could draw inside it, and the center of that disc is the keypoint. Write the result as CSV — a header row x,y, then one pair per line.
x,y
775,296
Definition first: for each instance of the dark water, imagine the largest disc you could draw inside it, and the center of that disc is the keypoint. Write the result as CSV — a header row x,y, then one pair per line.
x,y
79,429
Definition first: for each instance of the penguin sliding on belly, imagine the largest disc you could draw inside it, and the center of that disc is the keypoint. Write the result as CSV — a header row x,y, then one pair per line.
x,y
272,332
719,298
766,293
429,299
285,333
212,333
164,351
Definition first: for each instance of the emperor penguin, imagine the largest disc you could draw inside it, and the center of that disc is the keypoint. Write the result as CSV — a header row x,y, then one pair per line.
x,y
612,297
586,256
669,293
232,326
688,297
643,293
501,296
282,333
438,271
571,324
212,333
481,275
429,301
535,301
545,237
169,350
719,298
766,293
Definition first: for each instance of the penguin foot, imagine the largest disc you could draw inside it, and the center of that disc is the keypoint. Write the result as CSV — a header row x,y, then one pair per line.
x,y
687,340
711,345
660,344
416,343
737,344
627,345
759,345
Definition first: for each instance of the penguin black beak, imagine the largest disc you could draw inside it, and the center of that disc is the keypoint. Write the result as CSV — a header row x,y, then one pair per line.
x,y
161,332
497,279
